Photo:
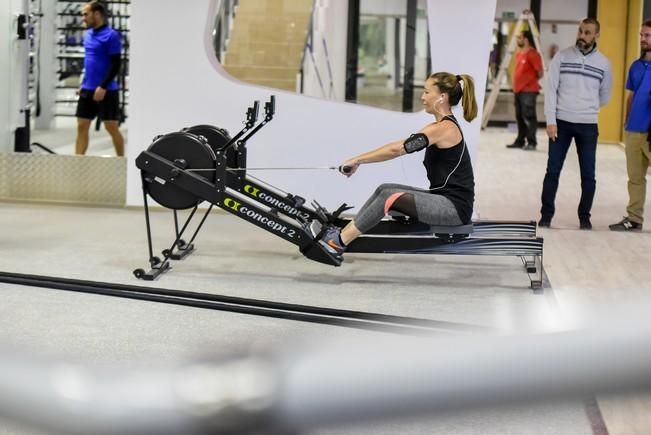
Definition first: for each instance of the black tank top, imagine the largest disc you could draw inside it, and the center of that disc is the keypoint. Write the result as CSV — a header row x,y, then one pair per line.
x,y
450,174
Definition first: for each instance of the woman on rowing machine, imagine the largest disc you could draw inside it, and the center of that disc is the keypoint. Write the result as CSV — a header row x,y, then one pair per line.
x,y
449,199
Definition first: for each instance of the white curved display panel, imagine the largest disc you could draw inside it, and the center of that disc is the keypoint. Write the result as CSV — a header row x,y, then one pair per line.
x,y
176,81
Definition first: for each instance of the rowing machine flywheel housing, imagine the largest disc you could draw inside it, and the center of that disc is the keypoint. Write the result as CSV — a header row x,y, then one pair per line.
x,y
216,137
190,152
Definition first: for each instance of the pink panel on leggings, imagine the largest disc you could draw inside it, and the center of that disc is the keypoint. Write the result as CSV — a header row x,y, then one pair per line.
x,y
390,200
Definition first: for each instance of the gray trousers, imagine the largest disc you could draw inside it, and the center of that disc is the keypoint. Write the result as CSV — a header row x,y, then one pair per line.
x,y
525,115
431,209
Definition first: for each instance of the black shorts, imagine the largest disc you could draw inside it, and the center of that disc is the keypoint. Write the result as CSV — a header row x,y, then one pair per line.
x,y
108,109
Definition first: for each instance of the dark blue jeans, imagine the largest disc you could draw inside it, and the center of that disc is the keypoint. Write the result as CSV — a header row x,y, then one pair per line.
x,y
585,137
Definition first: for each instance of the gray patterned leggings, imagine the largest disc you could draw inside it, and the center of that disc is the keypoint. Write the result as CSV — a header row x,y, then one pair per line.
x,y
429,208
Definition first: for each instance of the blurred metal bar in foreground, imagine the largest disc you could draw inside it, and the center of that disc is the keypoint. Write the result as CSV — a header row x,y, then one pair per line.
x,y
397,378
336,383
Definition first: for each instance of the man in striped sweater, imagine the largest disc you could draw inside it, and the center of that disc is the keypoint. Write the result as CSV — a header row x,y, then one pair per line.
x,y
579,82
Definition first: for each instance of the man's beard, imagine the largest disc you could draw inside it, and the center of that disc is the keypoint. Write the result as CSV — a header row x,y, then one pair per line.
x,y
645,48
583,46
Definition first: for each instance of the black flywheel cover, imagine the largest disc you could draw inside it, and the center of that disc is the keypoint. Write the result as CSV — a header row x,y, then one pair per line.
x,y
216,137
196,153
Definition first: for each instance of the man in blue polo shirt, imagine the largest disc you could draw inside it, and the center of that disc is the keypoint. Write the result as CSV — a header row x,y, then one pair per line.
x,y
636,131
99,94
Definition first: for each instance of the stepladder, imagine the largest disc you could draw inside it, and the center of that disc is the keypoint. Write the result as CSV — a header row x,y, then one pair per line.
x,y
498,81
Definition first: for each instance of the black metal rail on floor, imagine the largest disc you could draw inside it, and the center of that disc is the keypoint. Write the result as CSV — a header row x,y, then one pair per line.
x,y
256,307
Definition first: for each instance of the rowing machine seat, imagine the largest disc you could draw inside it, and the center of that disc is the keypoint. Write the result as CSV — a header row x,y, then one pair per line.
x,y
448,231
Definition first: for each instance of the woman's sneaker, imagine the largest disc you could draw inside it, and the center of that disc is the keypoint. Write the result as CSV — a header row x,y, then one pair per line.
x,y
331,241
626,225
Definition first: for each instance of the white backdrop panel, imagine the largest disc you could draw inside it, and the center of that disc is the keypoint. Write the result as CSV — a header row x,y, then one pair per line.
x,y
457,50
176,81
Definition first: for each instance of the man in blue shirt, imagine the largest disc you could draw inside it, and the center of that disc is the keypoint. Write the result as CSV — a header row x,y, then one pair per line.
x,y
99,95
636,130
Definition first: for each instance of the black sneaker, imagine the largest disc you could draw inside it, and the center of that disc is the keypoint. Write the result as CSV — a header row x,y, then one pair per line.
x,y
529,147
515,145
626,225
544,223
585,224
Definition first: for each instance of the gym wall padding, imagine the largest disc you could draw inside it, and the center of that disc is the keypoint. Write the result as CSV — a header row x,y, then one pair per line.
x,y
176,81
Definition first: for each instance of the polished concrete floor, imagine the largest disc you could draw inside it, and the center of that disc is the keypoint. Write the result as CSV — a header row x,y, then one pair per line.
x,y
584,269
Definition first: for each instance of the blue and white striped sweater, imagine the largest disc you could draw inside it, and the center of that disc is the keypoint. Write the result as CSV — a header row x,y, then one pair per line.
x,y
585,70
577,86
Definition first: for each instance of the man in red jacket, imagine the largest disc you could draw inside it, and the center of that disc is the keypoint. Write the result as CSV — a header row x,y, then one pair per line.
x,y
528,70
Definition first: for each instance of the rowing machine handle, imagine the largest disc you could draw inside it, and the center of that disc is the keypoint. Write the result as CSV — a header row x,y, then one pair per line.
x,y
345,169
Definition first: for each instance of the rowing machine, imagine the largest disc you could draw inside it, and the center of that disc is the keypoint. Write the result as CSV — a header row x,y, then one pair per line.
x,y
182,169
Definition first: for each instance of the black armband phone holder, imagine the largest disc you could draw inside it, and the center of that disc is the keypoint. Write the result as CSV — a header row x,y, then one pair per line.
x,y
415,142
